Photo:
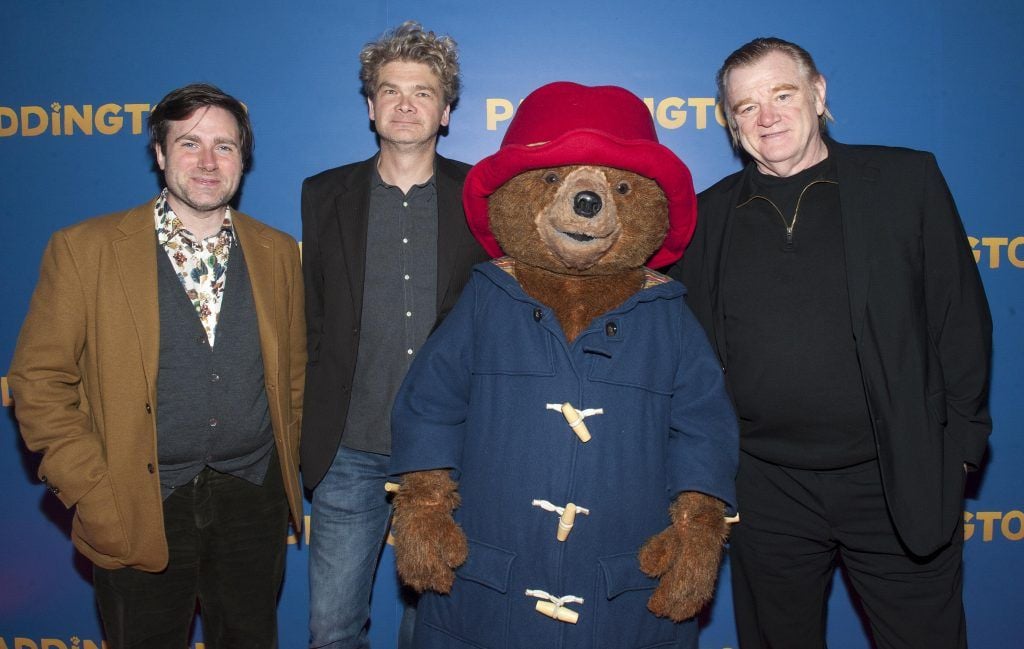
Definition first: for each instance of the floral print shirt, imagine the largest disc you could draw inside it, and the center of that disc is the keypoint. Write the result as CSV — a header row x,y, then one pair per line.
x,y
200,265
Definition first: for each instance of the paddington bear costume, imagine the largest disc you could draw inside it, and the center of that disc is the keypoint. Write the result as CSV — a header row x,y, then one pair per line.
x,y
541,447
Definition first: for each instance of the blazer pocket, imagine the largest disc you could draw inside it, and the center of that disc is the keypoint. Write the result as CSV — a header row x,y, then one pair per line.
x,y
97,522
480,593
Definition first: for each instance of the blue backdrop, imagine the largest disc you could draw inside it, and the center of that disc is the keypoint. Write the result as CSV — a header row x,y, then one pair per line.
x,y
77,81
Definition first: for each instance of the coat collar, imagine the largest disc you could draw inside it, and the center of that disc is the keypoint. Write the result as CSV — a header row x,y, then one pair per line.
x,y
265,278
858,198
135,252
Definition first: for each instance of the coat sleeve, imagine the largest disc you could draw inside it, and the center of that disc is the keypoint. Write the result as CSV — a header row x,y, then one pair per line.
x,y
703,447
52,411
428,420
959,323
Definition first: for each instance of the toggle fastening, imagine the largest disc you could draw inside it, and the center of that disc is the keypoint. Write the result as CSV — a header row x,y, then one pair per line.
x,y
554,607
567,516
575,418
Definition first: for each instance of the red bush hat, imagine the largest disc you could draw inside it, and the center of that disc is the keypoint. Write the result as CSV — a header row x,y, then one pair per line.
x,y
566,123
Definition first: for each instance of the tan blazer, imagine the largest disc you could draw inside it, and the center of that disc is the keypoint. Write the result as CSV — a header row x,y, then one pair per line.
x,y
84,375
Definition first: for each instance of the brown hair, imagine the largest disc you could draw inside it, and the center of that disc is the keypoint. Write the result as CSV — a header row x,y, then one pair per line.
x,y
181,103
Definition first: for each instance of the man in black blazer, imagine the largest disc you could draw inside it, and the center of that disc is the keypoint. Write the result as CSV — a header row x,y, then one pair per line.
x,y
838,287
386,253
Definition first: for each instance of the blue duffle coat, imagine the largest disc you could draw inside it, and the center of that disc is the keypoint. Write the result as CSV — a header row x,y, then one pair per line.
x,y
476,400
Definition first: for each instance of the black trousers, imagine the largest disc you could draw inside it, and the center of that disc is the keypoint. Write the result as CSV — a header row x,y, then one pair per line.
x,y
227,540
796,524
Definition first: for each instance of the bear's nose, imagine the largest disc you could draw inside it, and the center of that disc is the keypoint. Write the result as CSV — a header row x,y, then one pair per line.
x,y
587,204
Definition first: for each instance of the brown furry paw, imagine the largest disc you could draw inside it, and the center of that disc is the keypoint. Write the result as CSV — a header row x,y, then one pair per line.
x,y
429,545
686,556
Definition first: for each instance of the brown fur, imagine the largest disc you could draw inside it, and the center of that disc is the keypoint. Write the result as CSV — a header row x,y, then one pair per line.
x,y
642,215
686,556
429,544
579,280
577,300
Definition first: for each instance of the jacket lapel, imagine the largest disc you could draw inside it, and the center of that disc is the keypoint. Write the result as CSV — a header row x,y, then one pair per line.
x,y
352,209
721,236
259,260
449,202
136,268
859,203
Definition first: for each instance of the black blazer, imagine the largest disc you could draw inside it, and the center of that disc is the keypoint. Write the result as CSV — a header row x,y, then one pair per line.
x,y
920,320
335,214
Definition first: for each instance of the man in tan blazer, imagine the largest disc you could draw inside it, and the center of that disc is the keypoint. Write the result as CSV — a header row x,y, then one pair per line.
x,y
160,373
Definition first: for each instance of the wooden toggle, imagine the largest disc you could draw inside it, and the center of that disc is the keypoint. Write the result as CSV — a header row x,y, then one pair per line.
x,y
566,521
575,420
558,612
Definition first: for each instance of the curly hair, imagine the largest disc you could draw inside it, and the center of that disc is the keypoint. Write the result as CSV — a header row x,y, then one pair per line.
x,y
409,42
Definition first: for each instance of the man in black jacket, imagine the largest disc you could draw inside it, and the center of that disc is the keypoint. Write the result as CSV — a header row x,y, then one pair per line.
x,y
838,287
386,252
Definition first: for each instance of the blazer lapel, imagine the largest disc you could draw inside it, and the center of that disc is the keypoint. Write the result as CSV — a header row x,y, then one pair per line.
x,y
259,260
136,267
859,204
450,220
352,209
715,261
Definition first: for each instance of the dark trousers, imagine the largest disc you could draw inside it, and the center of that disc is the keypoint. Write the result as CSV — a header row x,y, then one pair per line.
x,y
794,526
227,541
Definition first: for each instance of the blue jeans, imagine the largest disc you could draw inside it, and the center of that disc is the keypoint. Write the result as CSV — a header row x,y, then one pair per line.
x,y
348,524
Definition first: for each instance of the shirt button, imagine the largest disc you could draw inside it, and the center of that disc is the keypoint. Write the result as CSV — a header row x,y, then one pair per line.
x,y
409,352
406,276
213,422
405,240
405,203
214,377
408,314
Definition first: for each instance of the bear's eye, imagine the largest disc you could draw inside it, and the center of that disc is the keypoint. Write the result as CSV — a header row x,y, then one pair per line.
x,y
623,188
551,178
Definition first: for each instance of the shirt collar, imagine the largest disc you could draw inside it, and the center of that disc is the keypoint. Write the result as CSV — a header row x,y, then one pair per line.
x,y
377,181
824,170
168,225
